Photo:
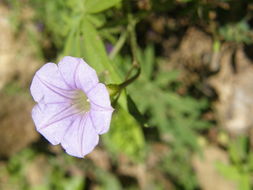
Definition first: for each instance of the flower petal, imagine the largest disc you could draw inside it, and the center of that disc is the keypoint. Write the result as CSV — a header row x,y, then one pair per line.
x,y
81,138
53,120
99,97
48,85
77,74
101,120
58,116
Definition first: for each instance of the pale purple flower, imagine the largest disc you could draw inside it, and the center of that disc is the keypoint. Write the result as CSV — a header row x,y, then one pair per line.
x,y
73,108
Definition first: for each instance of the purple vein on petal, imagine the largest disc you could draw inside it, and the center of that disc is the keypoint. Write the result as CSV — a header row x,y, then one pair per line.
x,y
87,92
104,108
54,88
79,126
65,117
75,76
39,106
51,103
67,129
62,112
61,89
65,80
84,123
92,120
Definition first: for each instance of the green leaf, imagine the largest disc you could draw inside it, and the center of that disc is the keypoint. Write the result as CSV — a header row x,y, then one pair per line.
x,y
238,149
147,60
107,180
72,46
97,20
126,135
95,6
74,183
166,77
245,182
228,171
94,52
232,173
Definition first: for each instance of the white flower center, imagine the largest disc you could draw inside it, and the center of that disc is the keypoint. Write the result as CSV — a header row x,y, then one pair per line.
x,y
81,101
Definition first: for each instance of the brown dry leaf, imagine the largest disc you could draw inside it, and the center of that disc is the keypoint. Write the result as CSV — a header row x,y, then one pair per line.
x,y
234,87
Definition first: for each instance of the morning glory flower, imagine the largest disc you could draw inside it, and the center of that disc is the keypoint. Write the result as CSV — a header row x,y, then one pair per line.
x,y
72,108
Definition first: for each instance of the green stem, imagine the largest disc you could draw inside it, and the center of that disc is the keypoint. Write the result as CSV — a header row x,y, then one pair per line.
x,y
132,79
115,89
133,41
118,45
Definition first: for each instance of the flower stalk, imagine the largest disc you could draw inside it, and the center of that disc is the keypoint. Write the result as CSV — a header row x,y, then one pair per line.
x,y
115,89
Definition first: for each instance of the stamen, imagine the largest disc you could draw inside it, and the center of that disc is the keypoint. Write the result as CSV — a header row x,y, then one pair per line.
x,y
81,101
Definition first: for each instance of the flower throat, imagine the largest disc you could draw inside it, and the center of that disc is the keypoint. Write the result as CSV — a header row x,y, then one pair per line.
x,y
81,102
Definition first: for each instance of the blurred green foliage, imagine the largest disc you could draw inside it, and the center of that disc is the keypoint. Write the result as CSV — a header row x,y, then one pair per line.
x,y
125,138
239,32
19,170
240,168
177,118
